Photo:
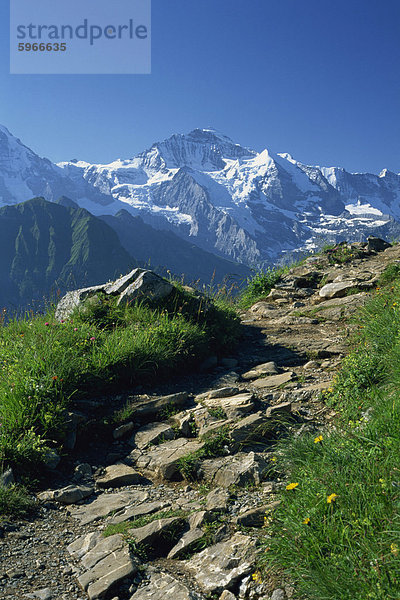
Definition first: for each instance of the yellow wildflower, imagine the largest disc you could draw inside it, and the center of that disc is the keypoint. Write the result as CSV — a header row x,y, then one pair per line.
x,y
306,521
318,439
257,577
292,486
331,498
394,549
273,459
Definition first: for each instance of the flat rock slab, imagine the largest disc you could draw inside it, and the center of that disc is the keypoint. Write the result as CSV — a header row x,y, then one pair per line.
x,y
163,586
221,566
133,512
69,494
242,468
222,392
161,462
188,541
336,290
118,475
234,406
43,594
268,368
103,548
83,544
113,569
152,433
273,380
106,504
148,408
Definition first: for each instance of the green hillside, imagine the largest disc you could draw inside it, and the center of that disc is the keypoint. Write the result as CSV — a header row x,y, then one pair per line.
x,y
47,248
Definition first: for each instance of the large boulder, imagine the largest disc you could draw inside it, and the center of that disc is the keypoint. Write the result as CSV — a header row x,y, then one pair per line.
x,y
138,284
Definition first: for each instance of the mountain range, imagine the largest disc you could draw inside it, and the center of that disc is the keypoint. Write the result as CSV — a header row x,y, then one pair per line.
x,y
223,198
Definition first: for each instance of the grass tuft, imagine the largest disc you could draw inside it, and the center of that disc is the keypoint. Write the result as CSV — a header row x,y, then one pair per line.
x,y
259,286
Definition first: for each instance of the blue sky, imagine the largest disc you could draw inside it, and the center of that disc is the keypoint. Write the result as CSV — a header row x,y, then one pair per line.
x,y
318,79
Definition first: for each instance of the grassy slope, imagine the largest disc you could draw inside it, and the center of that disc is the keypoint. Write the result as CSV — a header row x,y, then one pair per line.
x,y
337,532
102,348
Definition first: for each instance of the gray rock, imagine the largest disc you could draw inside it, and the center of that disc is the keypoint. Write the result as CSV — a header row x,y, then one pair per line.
x,y
156,531
106,573
254,427
268,368
183,421
240,469
132,512
227,595
222,566
106,504
72,421
72,300
123,430
118,475
210,363
198,519
161,462
163,586
152,433
273,380
188,541
284,408
72,493
120,285
214,426
336,290
235,406
103,548
278,595
43,594
224,392
151,408
83,472
311,364
83,544
7,479
252,518
147,285
217,500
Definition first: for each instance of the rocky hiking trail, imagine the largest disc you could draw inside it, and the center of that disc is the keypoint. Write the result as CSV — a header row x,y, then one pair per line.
x,y
181,486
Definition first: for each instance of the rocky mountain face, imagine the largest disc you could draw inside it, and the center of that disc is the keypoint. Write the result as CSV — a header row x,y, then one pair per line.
x,y
165,251
227,199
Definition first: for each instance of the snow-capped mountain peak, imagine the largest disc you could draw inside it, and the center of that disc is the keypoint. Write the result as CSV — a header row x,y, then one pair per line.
x,y
246,205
